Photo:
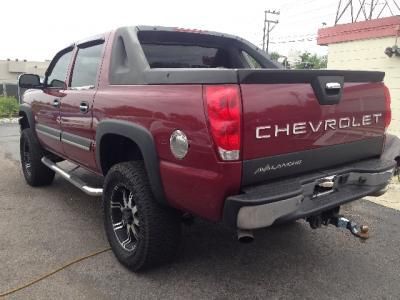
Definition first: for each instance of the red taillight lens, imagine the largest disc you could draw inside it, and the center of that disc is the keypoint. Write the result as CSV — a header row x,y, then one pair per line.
x,y
223,105
388,111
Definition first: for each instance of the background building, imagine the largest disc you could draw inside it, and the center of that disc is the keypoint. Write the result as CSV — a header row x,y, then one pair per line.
x,y
368,45
11,69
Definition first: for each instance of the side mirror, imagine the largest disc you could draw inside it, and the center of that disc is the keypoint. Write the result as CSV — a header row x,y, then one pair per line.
x,y
29,81
55,83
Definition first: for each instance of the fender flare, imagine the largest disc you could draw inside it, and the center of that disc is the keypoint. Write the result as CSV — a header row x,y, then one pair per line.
x,y
141,137
27,110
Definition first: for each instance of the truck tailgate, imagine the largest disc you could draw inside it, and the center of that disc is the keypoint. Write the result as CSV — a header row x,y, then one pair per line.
x,y
296,121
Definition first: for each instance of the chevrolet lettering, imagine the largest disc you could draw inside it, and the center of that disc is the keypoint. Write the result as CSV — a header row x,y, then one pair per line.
x,y
266,132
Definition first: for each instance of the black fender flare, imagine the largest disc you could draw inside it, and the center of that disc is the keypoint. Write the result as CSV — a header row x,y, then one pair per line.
x,y
141,137
27,110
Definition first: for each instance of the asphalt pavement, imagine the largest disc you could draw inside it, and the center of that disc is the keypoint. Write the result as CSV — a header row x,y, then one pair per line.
x,y
43,228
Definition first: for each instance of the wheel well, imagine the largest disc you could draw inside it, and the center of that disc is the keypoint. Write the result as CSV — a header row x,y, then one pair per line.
x,y
116,149
23,121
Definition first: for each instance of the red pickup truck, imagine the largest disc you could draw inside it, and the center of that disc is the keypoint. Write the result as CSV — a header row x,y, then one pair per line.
x,y
195,123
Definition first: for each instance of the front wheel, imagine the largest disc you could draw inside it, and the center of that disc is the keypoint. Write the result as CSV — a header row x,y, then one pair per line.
x,y
35,172
141,233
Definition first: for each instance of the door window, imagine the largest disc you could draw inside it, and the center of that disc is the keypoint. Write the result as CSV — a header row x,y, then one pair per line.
x,y
86,66
58,75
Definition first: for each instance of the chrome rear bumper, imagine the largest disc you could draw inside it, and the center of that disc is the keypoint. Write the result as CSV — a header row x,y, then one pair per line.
x,y
280,201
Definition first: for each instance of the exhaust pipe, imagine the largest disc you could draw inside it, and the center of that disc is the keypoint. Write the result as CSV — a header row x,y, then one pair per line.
x,y
245,236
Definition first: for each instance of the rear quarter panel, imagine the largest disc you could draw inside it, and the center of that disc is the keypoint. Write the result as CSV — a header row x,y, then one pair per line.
x,y
199,183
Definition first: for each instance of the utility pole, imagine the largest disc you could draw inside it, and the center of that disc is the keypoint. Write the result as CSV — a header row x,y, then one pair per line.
x,y
267,26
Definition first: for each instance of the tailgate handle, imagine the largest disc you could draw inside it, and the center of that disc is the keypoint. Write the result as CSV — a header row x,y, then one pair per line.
x,y
328,89
333,86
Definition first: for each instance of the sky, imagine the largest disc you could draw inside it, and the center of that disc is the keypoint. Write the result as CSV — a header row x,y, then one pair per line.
x,y
37,29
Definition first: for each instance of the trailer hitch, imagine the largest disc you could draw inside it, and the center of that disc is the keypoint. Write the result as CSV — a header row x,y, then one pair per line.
x,y
332,217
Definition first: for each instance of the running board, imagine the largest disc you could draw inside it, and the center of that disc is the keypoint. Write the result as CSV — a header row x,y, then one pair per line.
x,y
72,179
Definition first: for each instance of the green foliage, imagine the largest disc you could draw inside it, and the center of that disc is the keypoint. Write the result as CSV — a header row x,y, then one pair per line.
x,y
281,59
274,56
8,107
312,61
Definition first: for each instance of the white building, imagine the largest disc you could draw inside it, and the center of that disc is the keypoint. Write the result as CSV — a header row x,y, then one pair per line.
x,y
11,69
362,46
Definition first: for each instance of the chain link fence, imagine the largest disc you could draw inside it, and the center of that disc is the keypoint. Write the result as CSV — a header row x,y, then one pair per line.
x,y
11,90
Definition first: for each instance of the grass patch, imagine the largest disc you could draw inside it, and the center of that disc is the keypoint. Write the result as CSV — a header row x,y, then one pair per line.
x,y
8,107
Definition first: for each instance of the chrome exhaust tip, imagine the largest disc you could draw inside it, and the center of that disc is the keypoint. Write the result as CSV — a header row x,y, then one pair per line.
x,y
245,236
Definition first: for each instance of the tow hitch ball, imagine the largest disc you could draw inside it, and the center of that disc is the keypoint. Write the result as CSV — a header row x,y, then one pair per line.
x,y
340,222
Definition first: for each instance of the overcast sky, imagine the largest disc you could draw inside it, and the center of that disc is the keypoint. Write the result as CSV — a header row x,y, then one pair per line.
x,y
36,30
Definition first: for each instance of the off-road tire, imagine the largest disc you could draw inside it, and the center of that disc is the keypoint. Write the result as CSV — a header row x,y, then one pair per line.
x,y
159,230
35,172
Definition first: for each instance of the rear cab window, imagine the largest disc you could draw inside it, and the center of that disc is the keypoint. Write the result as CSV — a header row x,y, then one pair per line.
x,y
86,66
171,49
184,56
251,61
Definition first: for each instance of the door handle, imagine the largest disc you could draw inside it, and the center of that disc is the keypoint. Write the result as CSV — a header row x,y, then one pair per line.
x,y
84,107
56,103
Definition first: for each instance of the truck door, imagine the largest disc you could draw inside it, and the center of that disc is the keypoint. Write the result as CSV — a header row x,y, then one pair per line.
x,y
46,104
76,108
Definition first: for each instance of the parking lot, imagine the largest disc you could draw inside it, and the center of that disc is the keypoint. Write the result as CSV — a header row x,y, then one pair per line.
x,y
43,228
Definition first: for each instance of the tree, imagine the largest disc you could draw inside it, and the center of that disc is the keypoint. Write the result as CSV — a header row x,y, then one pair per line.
x,y
281,59
311,61
274,56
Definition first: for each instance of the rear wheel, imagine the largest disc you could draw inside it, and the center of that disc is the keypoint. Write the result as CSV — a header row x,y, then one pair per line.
x,y
35,172
141,233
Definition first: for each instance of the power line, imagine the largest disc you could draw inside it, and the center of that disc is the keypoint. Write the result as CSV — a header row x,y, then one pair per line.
x,y
309,12
290,3
306,16
309,37
305,40
295,36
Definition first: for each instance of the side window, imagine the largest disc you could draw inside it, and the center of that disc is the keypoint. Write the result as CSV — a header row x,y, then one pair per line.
x,y
86,66
251,61
58,75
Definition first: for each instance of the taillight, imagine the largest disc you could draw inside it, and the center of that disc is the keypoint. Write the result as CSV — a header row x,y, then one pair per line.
x,y
388,111
224,104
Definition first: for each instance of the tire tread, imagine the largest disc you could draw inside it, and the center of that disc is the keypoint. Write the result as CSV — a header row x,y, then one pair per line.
x,y
41,175
161,225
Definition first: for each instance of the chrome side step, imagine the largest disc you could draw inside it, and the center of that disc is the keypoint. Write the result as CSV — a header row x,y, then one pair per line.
x,y
72,179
